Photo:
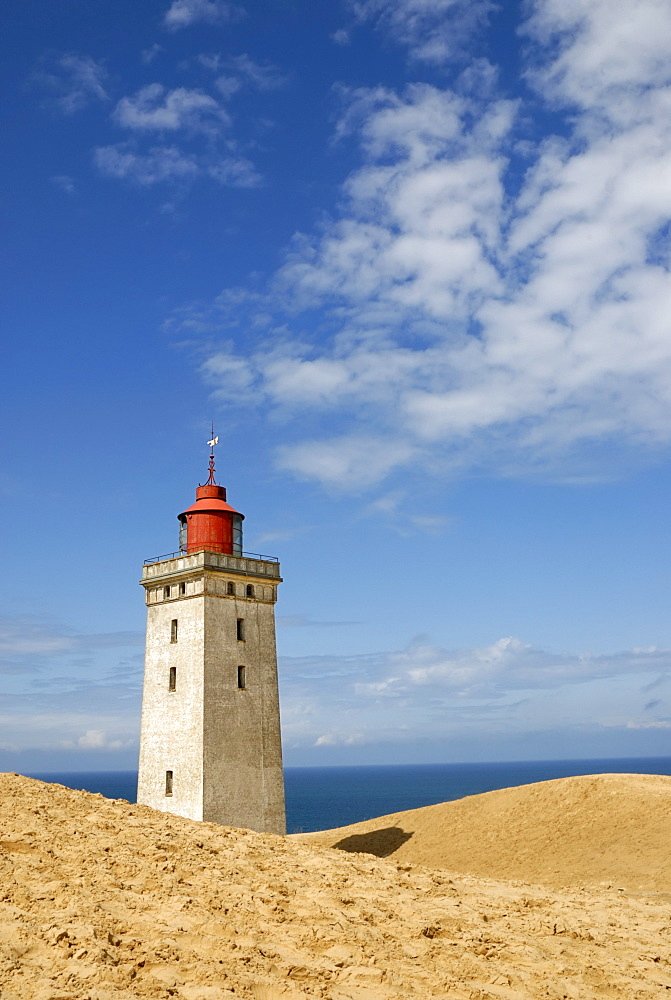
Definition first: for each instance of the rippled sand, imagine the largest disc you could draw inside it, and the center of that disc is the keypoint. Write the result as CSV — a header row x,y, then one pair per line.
x,y
102,899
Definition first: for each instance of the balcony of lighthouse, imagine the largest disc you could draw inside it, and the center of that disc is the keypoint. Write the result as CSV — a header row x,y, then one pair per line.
x,y
177,563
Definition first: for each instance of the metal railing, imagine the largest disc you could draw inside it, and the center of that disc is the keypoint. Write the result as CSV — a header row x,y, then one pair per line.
x,y
245,555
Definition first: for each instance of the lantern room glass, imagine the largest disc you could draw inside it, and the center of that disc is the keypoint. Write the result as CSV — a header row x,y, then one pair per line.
x,y
237,535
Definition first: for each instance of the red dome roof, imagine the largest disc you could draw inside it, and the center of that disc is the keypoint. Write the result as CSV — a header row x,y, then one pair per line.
x,y
210,498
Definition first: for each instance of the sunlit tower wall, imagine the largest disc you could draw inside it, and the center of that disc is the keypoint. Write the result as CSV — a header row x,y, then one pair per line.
x,y
210,745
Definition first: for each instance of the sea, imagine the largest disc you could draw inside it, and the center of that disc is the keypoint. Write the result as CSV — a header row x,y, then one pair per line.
x,y
321,798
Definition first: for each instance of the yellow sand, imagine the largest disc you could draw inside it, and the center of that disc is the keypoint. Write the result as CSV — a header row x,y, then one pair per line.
x,y
101,900
613,828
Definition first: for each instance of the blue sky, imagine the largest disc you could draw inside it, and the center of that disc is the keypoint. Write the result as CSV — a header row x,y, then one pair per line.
x,y
412,257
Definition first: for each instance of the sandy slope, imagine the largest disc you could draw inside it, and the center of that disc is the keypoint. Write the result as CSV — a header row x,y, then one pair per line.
x,y
101,900
605,828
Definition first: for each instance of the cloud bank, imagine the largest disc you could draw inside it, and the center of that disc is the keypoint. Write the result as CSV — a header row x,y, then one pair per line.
x,y
80,694
427,694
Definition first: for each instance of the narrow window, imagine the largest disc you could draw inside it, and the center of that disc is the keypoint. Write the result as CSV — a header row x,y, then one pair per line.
x,y
173,630
166,591
250,590
240,629
172,679
182,588
230,589
168,782
241,678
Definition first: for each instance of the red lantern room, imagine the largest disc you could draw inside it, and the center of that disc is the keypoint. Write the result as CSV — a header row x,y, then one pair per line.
x,y
211,523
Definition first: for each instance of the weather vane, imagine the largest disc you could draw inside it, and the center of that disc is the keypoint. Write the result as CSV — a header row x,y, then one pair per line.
x,y
212,442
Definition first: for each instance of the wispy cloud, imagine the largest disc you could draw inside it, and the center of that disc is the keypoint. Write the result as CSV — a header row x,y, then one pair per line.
x,y
65,183
305,621
73,81
149,54
64,689
28,642
432,30
241,71
260,76
161,164
24,636
183,13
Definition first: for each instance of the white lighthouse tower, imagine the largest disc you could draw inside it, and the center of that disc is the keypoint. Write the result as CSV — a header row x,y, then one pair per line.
x,y
210,746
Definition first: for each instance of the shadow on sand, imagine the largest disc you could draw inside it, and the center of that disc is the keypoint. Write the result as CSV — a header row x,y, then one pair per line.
x,y
381,843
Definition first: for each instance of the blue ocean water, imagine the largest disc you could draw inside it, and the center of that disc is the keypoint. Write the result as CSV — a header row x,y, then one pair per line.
x,y
320,798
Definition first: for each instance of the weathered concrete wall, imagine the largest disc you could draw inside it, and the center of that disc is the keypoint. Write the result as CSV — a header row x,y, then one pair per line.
x,y
243,780
172,721
222,743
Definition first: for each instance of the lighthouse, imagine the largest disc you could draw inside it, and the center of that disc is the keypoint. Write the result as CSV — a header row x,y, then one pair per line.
x,y
210,746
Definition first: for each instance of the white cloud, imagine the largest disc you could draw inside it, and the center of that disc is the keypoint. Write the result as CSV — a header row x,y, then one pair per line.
x,y
153,108
339,740
356,461
510,664
97,739
341,37
92,738
74,81
183,13
513,319
610,52
326,740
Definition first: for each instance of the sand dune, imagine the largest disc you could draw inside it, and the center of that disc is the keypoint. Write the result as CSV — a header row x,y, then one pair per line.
x,y
102,900
613,828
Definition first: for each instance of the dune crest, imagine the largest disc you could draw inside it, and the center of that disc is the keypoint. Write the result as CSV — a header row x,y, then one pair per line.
x,y
103,900
583,830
